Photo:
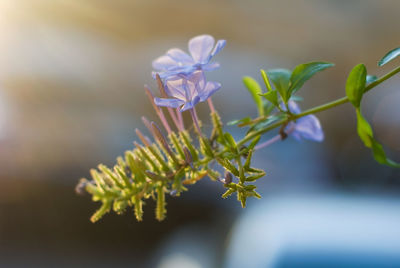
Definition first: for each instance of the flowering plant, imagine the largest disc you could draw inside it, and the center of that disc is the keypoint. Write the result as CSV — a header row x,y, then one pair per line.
x,y
178,158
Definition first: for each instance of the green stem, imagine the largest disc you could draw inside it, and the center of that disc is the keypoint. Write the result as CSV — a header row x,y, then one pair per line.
x,y
317,109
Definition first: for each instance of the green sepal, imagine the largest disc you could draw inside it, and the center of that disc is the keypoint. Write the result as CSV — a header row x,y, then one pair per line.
x,y
255,177
228,137
177,145
248,160
228,166
254,142
160,207
228,193
118,170
206,147
119,206
113,177
105,208
186,140
138,208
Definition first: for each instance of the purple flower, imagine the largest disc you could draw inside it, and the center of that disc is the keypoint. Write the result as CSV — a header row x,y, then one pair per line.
x,y
307,127
187,91
176,61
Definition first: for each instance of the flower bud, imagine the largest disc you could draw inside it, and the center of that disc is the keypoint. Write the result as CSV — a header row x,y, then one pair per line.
x,y
80,187
227,178
188,157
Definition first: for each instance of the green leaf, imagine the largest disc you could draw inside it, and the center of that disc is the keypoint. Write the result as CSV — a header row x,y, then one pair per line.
x,y
266,122
206,147
364,129
272,96
355,84
365,132
281,80
254,89
239,121
303,72
389,56
266,80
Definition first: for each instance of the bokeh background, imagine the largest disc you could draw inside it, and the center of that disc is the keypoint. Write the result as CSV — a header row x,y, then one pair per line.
x,y
71,95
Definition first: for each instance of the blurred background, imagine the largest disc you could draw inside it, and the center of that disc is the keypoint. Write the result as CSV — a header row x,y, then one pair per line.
x,y
71,95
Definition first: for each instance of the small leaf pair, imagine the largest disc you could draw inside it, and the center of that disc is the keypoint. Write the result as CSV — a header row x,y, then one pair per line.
x,y
355,88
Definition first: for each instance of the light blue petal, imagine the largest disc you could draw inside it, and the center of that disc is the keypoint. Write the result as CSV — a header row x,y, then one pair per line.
x,y
210,66
175,90
220,45
173,103
198,81
309,128
191,104
209,89
164,63
293,107
200,48
180,56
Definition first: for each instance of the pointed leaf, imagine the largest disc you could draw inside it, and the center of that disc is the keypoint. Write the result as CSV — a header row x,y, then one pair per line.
x,y
266,80
303,72
272,96
365,132
364,129
389,56
281,80
355,84
239,121
254,89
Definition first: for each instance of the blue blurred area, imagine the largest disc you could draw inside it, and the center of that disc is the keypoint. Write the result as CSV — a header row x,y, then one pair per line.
x,y
71,95
330,230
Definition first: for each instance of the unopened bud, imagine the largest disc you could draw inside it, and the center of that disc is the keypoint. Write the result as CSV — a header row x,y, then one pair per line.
x,y
143,138
173,192
188,157
227,178
80,188
245,153
159,136
153,175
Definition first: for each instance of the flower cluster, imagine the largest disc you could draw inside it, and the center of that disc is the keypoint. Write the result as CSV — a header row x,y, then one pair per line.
x,y
176,158
184,79
177,62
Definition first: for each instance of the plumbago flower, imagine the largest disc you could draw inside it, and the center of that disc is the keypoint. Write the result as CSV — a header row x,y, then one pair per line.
x,y
186,91
176,61
176,158
307,127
